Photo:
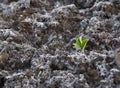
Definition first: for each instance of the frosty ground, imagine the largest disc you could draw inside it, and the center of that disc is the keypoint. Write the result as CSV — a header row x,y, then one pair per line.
x,y
36,43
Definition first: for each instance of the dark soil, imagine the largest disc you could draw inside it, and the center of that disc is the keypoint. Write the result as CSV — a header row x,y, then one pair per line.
x,y
36,43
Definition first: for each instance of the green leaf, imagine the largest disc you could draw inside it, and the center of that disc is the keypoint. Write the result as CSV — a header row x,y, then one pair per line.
x,y
77,46
84,42
80,43
80,39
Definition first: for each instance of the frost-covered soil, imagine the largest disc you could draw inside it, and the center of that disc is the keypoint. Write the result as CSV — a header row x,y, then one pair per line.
x,y
36,38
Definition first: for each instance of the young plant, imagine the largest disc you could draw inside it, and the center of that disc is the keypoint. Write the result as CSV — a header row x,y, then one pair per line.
x,y
80,43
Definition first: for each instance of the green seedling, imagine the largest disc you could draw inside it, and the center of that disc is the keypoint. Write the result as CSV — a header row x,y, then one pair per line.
x,y
80,43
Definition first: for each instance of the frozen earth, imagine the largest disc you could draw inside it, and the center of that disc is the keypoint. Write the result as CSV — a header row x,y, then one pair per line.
x,y
36,43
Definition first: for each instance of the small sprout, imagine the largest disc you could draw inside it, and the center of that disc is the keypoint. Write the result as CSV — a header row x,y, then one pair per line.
x,y
80,43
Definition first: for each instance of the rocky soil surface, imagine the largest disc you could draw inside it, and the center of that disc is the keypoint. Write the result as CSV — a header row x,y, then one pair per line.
x,y
36,43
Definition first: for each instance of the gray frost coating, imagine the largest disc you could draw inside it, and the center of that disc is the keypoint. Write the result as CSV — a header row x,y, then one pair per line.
x,y
36,38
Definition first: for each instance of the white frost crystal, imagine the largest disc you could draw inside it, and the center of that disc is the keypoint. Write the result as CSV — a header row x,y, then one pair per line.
x,y
117,57
11,9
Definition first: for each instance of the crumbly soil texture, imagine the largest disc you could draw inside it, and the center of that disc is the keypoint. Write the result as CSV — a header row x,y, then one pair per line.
x,y
36,43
